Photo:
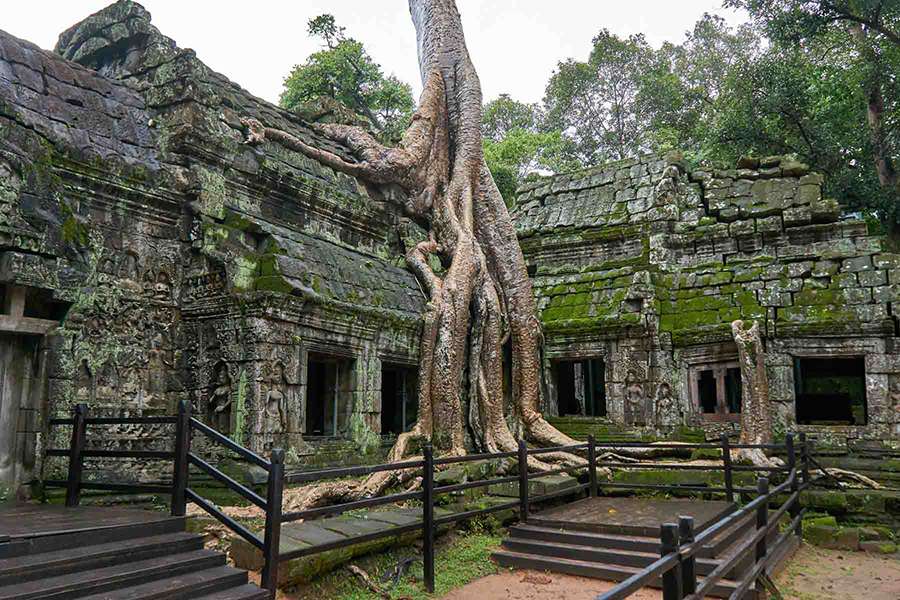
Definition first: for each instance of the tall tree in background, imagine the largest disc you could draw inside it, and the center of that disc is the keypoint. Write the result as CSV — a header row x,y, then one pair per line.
x,y
596,104
682,87
517,143
481,294
343,72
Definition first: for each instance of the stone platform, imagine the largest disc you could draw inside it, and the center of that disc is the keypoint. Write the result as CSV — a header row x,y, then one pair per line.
x,y
629,515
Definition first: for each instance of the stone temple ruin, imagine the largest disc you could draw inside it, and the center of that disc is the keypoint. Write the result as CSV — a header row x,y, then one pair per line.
x,y
149,256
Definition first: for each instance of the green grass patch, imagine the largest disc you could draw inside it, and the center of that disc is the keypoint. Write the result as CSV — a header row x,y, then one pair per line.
x,y
460,557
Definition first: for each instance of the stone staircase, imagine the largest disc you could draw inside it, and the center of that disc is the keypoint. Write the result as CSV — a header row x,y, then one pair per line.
x,y
615,553
155,560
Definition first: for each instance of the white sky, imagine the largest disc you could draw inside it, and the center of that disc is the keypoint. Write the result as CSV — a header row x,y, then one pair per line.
x,y
515,43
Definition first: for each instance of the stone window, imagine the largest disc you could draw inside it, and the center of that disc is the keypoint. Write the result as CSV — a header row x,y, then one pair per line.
x,y
399,405
328,395
830,391
716,390
580,387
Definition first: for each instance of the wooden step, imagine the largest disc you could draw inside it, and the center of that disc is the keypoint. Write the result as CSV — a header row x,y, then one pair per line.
x,y
634,543
76,585
608,572
208,583
609,556
49,564
244,592
555,519
76,538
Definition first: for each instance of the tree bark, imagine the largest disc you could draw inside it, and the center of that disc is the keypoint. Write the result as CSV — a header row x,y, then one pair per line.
x,y
482,294
756,416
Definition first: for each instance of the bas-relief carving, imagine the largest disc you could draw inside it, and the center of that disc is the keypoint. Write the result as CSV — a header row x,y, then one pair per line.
x,y
635,413
220,400
668,409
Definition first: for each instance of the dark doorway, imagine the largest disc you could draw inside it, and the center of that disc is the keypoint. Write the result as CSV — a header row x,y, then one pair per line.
x,y
399,408
716,389
328,394
830,391
581,387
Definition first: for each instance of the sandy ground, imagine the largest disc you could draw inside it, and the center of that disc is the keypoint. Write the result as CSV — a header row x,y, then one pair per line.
x,y
813,574
532,585
819,574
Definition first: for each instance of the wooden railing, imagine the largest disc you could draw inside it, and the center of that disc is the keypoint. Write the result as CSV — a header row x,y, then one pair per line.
x,y
679,545
269,543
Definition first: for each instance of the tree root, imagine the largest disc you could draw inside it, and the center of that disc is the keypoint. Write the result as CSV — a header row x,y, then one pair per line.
x,y
845,479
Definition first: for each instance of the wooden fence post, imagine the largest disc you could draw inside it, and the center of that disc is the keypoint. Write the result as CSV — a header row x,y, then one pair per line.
x,y
804,456
688,572
794,509
76,460
592,466
762,517
671,579
428,518
182,448
523,482
272,539
726,465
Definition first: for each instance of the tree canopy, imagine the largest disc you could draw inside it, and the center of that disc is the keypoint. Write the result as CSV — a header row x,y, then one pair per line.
x,y
342,71
813,78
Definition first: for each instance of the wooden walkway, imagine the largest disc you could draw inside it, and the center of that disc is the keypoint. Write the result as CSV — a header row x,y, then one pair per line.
x,y
36,520
110,553
631,516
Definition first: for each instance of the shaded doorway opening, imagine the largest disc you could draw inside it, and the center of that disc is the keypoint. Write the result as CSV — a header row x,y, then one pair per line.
x,y
830,391
716,390
399,404
328,395
581,387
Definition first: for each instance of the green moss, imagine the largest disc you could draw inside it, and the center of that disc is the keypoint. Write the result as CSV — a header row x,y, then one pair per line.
x,y
706,454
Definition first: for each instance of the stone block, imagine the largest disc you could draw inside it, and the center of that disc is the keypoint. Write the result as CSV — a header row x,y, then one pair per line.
x,y
873,278
835,538
855,264
878,547
800,215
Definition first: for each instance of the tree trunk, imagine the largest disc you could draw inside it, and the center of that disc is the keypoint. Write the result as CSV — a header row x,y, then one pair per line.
x,y
482,295
756,416
874,82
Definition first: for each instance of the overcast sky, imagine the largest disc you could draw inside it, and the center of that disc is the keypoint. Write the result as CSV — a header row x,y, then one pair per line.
x,y
515,43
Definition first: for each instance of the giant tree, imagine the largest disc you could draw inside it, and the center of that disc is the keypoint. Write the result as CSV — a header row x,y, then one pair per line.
x,y
481,295
596,103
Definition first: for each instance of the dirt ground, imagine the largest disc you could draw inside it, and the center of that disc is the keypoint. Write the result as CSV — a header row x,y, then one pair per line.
x,y
813,574
819,574
532,585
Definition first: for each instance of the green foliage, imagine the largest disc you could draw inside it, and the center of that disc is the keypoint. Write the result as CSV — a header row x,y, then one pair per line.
x,y
462,558
832,67
344,72
597,103
516,144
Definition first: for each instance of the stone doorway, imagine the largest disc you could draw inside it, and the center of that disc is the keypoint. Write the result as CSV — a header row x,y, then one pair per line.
x,y
22,384
581,387
329,395
399,403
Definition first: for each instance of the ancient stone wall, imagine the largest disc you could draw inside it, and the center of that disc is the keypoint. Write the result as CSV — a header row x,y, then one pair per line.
x,y
645,263
179,262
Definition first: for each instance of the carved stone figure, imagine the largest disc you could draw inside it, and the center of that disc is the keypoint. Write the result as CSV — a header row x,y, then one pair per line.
x,y
634,403
162,290
668,413
275,421
149,284
220,401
